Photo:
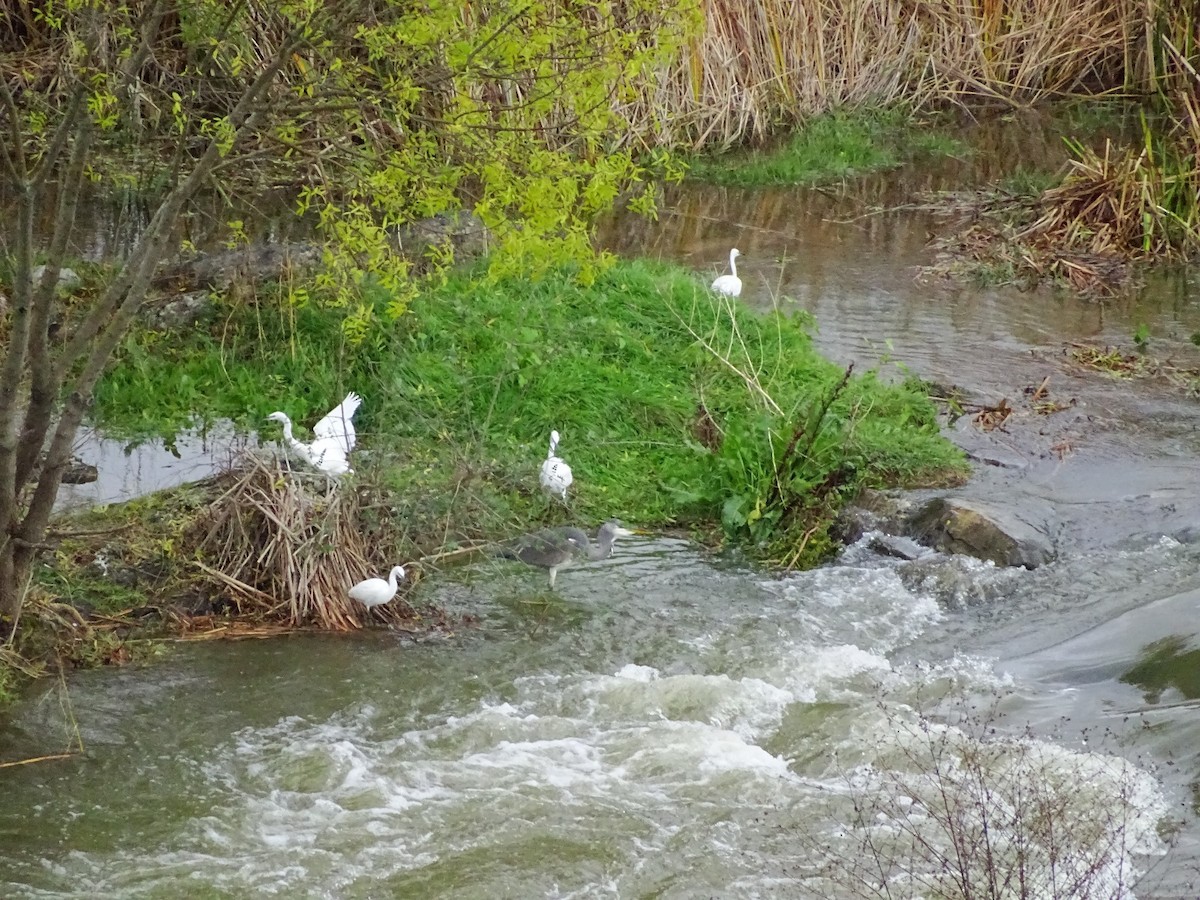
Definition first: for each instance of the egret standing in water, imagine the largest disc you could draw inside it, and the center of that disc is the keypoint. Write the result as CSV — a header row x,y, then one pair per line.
x,y
556,548
375,591
730,285
333,441
556,474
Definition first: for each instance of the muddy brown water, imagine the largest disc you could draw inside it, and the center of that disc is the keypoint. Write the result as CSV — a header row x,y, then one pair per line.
x,y
675,725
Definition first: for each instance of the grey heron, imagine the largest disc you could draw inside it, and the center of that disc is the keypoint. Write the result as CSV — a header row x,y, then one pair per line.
x,y
555,548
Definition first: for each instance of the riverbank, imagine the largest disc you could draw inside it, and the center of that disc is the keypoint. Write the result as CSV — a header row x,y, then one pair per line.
x,y
678,410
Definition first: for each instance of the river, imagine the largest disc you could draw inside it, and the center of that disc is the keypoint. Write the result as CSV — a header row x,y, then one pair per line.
x,y
673,724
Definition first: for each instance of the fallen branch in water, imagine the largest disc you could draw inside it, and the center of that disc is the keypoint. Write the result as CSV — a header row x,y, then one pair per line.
x,y
38,759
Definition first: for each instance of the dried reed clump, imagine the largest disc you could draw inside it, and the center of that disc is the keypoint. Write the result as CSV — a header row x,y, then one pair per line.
x,y
981,243
757,65
285,546
1116,203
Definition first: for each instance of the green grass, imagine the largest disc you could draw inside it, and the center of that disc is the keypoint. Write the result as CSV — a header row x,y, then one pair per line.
x,y
830,147
1030,182
462,392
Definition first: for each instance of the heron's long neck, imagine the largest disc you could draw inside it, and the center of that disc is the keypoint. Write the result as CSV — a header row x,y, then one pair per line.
x,y
298,445
392,581
733,263
553,447
599,549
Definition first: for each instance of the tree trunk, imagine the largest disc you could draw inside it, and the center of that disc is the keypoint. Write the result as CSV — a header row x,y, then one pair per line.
x,y
44,396
16,572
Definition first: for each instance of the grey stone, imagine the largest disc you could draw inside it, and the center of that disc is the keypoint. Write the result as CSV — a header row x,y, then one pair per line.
x,y
68,279
180,310
1005,537
898,546
79,472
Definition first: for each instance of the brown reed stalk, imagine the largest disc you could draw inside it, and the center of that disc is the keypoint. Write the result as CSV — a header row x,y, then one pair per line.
x,y
285,546
759,65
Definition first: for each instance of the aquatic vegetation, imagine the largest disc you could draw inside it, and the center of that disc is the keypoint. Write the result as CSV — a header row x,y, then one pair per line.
x,y
681,405
829,147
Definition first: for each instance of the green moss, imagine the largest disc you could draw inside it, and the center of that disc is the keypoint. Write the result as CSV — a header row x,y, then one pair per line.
x,y
115,558
462,392
1030,182
833,146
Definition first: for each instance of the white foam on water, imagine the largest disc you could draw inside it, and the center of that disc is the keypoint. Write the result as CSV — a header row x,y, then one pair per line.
x,y
720,771
869,608
1075,824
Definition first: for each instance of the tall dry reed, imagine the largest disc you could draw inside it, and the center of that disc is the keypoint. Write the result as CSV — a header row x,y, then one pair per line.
x,y
758,65
284,546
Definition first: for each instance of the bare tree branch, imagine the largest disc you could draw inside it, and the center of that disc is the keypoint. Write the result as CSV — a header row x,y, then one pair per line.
x,y
48,162
12,150
45,378
111,324
45,382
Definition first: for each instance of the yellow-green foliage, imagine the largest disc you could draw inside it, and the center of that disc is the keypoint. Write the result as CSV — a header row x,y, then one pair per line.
x,y
461,395
381,112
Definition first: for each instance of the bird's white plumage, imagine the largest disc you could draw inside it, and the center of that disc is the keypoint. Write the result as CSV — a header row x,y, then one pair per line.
x,y
556,474
375,591
334,438
730,285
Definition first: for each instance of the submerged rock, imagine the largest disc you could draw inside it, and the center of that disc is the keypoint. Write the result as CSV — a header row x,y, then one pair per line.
x,y
898,546
68,279
184,289
79,472
76,472
1005,537
885,511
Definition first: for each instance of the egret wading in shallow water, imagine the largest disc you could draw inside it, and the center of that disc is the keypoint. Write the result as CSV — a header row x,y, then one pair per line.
x,y
556,474
730,285
333,441
375,591
555,548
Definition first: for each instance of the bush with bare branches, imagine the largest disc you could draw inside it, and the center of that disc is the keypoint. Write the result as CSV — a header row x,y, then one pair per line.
x,y
961,810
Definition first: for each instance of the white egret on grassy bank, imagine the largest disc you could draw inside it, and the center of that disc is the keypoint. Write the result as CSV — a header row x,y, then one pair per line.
x,y
730,285
556,474
374,591
333,441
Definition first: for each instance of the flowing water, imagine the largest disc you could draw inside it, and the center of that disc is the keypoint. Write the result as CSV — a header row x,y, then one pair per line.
x,y
676,725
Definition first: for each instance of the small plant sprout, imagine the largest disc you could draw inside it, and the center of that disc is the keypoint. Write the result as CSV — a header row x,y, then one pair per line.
x,y
335,437
729,285
1141,336
376,591
556,475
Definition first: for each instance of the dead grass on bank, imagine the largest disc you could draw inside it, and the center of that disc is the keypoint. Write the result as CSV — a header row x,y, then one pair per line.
x,y
1113,210
759,65
286,545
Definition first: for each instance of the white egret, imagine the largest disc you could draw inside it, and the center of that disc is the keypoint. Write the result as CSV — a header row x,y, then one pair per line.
x,y
556,474
375,591
555,548
333,441
730,285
